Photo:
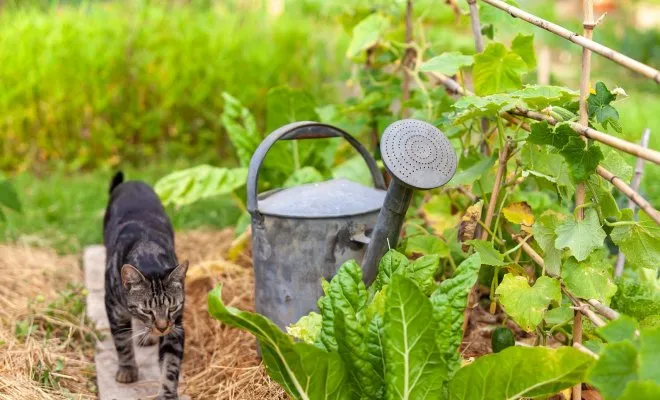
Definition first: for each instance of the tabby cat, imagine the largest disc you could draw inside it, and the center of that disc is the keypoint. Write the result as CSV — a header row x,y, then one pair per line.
x,y
143,282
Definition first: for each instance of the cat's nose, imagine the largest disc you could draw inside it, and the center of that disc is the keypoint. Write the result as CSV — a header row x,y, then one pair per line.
x,y
162,325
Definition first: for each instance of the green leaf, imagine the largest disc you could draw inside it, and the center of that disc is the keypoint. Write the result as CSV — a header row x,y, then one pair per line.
x,y
367,33
304,371
649,348
618,330
542,133
497,70
9,197
285,105
591,279
449,302
602,196
614,162
414,368
426,245
349,301
523,45
193,184
447,63
616,367
241,129
599,107
544,232
307,329
422,270
537,161
489,255
582,161
388,266
470,107
640,242
580,237
638,299
558,315
542,96
520,372
472,169
525,304
641,390
302,176
354,169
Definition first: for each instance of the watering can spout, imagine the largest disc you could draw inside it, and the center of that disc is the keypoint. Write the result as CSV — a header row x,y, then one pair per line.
x,y
418,156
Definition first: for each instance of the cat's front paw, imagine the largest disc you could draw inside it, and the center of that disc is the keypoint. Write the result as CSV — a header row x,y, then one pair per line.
x,y
127,374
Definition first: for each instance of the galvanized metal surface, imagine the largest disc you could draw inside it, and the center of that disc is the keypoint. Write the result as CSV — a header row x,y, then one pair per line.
x,y
292,255
330,199
418,154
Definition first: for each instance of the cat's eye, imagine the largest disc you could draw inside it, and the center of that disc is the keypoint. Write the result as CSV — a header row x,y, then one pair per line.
x,y
174,308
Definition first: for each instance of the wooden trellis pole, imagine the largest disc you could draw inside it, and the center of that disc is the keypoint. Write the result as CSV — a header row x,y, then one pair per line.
x,y
587,43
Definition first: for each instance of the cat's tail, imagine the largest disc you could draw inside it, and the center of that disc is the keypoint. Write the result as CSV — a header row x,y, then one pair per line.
x,y
116,180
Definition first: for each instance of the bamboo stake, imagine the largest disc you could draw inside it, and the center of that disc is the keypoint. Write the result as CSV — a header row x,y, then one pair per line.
x,y
603,310
634,185
601,137
630,193
476,26
598,48
504,156
454,87
406,59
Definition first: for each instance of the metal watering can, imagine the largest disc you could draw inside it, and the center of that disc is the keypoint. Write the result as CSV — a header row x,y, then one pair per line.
x,y
305,233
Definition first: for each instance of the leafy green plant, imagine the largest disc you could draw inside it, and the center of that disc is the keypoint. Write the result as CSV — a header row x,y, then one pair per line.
x,y
8,198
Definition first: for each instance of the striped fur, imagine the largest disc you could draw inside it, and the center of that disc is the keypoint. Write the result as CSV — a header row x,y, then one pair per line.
x,y
144,283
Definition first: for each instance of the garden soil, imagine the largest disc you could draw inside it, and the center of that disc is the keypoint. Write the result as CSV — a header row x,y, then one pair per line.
x,y
47,347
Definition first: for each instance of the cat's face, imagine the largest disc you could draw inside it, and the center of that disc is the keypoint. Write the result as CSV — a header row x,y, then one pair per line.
x,y
157,303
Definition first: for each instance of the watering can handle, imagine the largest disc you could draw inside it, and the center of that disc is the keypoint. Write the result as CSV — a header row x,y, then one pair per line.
x,y
302,130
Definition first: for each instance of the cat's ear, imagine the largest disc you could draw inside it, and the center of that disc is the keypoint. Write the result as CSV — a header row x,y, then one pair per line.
x,y
130,275
179,273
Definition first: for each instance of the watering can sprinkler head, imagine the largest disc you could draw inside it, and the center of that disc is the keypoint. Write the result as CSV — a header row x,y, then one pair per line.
x,y
418,156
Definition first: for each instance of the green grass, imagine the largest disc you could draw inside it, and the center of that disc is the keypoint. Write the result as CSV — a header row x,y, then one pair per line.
x,y
65,211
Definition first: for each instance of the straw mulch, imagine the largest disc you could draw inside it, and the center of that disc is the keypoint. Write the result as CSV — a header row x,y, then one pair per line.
x,y
55,360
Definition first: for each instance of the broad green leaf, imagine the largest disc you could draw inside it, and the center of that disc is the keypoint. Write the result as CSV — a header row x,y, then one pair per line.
x,y
544,233
468,172
616,367
543,133
414,368
307,329
525,304
616,164
641,390
497,70
9,197
618,330
375,349
580,237
367,33
537,161
590,279
449,301
649,348
542,96
193,184
600,194
638,299
426,245
489,255
520,372
640,241
447,63
302,176
470,107
349,301
354,169
241,129
558,315
582,161
285,105
304,371
523,45
599,107
422,270
388,266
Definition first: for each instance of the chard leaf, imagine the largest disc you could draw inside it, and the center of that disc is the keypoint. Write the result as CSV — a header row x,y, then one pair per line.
x,y
304,371
389,264
580,237
520,372
307,329
241,129
449,302
414,368
422,270
527,305
497,69
640,242
193,184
